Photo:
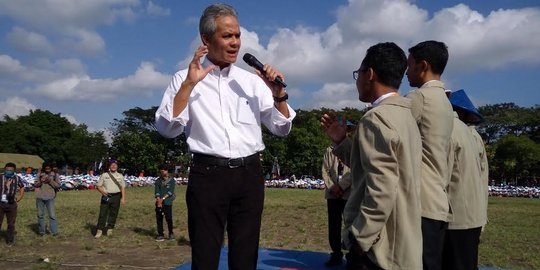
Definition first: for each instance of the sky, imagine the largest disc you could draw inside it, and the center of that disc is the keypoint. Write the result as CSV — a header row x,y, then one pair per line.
x,y
92,60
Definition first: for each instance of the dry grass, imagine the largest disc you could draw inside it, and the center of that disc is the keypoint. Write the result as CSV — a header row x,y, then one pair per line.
x,y
292,219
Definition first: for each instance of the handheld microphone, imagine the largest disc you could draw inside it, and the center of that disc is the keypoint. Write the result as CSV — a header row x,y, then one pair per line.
x,y
252,61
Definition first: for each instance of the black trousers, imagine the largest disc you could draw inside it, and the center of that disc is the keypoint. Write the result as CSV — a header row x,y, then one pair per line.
x,y
433,232
461,249
164,212
10,211
335,219
108,212
217,196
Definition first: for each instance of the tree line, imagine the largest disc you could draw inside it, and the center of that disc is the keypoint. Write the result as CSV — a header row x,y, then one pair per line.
x,y
511,134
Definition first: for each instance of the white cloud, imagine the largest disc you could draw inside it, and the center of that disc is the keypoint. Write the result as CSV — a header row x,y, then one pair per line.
x,y
29,41
336,96
15,106
156,10
476,42
70,119
81,87
69,24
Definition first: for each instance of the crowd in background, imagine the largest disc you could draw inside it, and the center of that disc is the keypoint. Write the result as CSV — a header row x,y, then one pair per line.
x,y
88,181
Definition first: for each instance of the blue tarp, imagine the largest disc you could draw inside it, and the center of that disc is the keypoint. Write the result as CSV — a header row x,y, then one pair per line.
x,y
274,259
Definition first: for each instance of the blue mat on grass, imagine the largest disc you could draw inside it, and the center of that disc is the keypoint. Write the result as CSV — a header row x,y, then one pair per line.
x,y
275,259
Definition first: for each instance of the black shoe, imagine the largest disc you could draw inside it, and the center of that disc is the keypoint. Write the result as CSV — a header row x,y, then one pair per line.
x,y
335,260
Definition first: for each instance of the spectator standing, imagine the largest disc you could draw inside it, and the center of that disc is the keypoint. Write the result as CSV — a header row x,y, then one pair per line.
x,y
433,113
46,186
164,193
383,214
337,180
467,189
112,187
10,186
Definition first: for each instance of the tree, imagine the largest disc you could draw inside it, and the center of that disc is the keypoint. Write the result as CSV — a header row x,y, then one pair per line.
x,y
516,158
53,138
136,151
508,118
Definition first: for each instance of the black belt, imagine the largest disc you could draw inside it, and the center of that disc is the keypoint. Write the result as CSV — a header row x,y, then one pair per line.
x,y
225,162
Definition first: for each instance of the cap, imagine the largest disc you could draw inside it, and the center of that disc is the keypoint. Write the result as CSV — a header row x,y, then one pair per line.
x,y
461,101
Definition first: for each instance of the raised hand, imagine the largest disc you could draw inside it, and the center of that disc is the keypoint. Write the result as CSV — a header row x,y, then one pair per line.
x,y
196,72
335,128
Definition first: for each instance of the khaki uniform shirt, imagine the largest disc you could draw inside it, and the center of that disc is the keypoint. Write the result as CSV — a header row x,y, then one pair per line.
x,y
435,119
108,184
331,177
466,189
383,211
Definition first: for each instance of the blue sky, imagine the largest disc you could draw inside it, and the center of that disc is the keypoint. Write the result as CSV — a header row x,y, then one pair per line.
x,y
92,60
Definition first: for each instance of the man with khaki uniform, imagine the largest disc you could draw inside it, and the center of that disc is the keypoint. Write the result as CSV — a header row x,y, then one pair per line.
x,y
435,119
337,181
467,189
382,215
112,187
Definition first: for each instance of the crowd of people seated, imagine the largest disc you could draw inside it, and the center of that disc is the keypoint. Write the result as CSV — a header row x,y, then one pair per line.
x,y
87,181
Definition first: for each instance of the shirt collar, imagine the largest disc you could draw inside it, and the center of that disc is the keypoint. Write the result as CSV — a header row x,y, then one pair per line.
x,y
383,97
226,72
428,82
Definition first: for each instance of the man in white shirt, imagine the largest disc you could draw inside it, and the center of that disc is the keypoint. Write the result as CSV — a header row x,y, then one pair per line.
x,y
221,107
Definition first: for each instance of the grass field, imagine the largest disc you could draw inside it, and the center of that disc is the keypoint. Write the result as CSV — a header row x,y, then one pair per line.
x,y
293,219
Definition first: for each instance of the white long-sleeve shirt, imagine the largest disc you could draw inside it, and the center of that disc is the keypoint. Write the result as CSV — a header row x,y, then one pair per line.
x,y
224,113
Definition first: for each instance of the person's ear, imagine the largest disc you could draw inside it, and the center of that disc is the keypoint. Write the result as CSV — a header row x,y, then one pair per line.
x,y
204,39
424,66
370,73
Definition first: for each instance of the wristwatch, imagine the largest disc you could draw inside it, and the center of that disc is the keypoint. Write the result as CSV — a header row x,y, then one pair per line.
x,y
281,99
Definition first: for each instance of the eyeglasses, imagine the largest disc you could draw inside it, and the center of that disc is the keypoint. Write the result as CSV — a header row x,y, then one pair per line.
x,y
355,73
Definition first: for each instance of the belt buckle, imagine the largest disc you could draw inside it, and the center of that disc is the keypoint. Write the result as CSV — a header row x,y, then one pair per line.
x,y
231,166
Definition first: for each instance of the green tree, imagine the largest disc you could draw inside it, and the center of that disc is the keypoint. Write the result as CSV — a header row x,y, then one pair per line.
x,y
53,138
136,151
516,158
508,118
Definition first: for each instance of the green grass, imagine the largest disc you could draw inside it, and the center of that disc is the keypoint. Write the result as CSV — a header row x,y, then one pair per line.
x,y
292,219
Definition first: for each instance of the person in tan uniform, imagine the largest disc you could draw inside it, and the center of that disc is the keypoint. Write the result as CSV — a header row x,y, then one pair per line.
x,y
383,215
435,119
337,181
467,189
112,187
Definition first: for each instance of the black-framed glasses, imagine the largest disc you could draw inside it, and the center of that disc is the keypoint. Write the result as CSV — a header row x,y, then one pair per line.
x,y
355,73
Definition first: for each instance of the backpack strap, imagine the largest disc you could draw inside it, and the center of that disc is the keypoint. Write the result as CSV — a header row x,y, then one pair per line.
x,y
115,181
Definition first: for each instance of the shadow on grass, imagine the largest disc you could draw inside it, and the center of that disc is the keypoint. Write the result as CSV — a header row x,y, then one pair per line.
x,y
33,227
144,231
182,241
91,227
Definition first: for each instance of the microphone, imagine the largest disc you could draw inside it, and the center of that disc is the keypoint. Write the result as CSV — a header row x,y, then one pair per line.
x,y
252,61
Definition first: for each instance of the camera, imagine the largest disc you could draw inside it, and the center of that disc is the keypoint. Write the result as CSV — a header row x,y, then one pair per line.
x,y
105,199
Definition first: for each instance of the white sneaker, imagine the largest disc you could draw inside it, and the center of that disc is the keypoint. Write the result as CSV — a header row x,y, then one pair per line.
x,y
109,232
98,233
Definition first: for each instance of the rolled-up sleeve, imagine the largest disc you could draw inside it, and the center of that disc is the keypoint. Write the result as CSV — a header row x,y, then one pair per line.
x,y
279,124
167,125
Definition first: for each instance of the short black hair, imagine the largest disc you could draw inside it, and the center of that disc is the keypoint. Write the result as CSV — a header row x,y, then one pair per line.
x,y
432,51
46,164
388,61
10,164
164,166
